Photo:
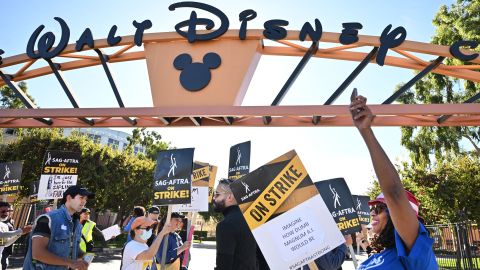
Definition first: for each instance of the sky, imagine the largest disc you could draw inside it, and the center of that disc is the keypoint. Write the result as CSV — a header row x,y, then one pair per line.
x,y
327,152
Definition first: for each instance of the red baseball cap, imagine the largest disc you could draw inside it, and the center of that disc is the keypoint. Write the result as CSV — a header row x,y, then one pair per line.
x,y
411,199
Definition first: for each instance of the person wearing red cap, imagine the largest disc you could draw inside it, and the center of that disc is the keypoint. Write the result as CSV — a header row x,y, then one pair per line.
x,y
401,241
137,255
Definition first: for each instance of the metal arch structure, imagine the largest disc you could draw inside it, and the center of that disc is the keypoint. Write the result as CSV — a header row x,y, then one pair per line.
x,y
228,112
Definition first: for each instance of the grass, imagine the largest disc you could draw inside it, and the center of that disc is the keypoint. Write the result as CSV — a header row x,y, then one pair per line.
x,y
451,263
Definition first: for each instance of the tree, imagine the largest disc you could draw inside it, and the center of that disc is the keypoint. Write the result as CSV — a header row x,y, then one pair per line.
x,y
119,179
459,22
151,140
8,99
447,191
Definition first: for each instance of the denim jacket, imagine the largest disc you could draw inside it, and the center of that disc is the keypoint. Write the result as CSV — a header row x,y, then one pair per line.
x,y
61,228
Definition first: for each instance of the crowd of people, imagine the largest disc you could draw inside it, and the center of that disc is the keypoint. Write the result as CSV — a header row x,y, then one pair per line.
x,y
395,239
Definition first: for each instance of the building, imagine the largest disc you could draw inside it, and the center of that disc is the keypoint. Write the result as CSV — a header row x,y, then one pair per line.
x,y
114,138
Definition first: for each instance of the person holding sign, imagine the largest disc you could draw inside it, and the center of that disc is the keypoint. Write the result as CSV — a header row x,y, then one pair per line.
x,y
402,242
236,247
8,234
175,246
137,255
55,239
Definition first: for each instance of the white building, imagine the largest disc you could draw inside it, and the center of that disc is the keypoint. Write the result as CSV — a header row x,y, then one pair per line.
x,y
114,138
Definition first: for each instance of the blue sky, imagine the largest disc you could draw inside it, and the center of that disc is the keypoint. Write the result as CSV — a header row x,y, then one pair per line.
x,y
326,152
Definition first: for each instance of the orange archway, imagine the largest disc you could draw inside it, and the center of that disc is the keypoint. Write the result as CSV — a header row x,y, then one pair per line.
x,y
174,106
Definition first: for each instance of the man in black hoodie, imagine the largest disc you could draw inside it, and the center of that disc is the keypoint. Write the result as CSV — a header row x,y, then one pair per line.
x,y
236,247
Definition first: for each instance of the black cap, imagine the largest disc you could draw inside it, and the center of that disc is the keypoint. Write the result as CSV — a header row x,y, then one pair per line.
x,y
85,210
177,215
154,210
76,190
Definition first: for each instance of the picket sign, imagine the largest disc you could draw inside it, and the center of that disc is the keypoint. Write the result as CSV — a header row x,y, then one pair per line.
x,y
190,230
165,239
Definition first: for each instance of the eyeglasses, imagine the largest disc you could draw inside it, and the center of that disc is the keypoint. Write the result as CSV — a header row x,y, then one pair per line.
x,y
378,208
146,228
6,211
216,194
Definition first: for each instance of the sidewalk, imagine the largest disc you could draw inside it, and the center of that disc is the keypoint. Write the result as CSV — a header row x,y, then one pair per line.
x,y
202,258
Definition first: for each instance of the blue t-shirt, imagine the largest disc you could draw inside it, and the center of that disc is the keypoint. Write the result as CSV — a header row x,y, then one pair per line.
x,y
421,255
174,242
128,228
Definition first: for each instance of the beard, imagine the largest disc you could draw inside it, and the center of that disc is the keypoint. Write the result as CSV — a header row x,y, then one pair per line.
x,y
218,206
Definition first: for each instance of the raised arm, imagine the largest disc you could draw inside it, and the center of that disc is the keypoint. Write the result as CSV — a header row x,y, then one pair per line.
x,y
403,216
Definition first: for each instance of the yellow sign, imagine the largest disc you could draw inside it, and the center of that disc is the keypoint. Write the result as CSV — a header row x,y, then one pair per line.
x,y
275,193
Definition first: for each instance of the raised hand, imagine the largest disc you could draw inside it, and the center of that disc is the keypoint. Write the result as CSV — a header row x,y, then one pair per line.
x,y
361,113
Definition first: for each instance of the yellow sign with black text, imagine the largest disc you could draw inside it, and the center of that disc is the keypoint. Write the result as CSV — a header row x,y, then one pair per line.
x,y
276,193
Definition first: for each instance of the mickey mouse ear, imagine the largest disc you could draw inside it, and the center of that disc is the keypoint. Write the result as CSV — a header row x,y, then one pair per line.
x,y
212,60
182,61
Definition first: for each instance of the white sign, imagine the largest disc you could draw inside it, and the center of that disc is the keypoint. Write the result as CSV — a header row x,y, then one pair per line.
x,y
199,201
52,186
301,235
111,232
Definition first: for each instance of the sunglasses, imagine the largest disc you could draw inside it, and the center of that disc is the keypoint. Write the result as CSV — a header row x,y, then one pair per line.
x,y
378,208
216,194
6,211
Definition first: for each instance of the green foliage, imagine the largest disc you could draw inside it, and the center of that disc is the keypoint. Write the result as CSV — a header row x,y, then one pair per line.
x,y
459,22
151,140
448,191
8,100
120,179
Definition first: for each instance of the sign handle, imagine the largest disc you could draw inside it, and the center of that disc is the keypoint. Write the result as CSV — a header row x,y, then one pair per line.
x,y
165,239
55,202
190,230
354,259
312,266
4,197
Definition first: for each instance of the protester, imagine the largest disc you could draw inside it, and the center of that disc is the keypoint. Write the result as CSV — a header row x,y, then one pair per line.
x,y
8,234
56,235
175,246
89,228
137,255
401,241
153,214
236,247
138,211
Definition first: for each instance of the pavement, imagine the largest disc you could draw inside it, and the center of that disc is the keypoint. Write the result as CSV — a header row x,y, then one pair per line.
x,y
202,257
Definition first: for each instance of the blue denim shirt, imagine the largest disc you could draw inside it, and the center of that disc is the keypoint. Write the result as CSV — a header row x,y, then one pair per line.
x,y
61,229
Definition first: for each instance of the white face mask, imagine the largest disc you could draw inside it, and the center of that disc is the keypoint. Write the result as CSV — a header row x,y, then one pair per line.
x,y
3,219
146,235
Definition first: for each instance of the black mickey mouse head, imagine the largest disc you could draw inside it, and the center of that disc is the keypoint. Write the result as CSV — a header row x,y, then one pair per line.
x,y
195,76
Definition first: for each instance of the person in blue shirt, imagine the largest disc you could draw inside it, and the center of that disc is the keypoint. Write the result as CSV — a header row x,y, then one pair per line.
x,y
175,245
401,241
138,211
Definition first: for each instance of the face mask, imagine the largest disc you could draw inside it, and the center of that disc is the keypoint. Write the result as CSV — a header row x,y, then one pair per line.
x,y
3,219
146,235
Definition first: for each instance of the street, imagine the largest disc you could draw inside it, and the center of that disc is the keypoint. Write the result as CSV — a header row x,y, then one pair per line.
x,y
202,255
